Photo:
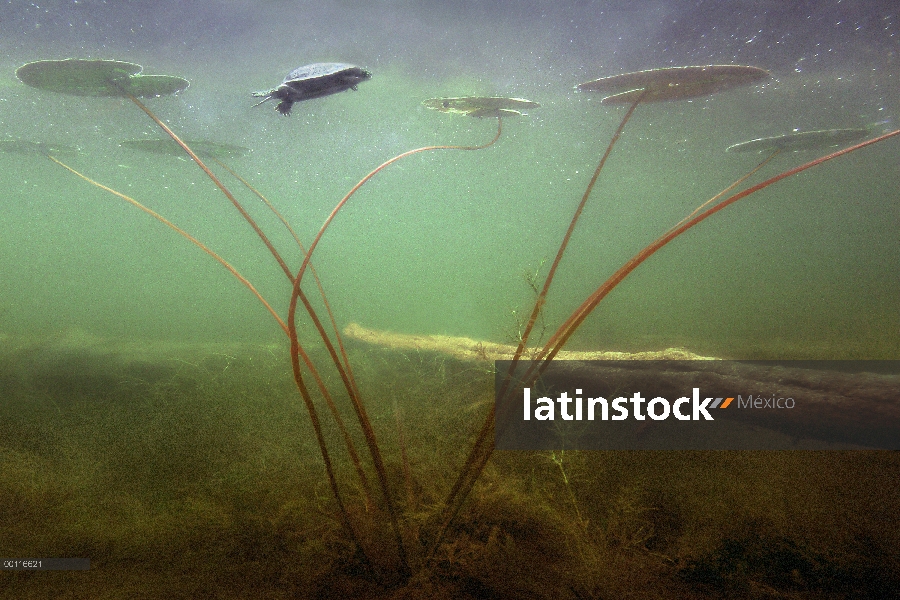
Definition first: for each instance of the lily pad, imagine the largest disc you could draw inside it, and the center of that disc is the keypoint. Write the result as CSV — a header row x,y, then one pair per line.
x,y
480,106
804,140
29,147
150,86
108,78
200,147
674,83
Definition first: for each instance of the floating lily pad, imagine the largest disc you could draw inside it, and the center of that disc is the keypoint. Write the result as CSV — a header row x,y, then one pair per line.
x,y
675,83
201,148
149,86
80,77
77,77
42,148
805,140
480,106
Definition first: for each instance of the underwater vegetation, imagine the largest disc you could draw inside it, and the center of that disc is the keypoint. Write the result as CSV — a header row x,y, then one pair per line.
x,y
193,472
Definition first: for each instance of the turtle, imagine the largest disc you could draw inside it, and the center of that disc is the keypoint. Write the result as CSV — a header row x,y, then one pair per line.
x,y
313,81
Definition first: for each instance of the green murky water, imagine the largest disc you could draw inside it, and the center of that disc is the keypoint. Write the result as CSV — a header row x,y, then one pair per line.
x,y
439,242
148,415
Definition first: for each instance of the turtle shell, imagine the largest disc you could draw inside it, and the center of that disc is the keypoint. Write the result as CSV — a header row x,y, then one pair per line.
x,y
314,81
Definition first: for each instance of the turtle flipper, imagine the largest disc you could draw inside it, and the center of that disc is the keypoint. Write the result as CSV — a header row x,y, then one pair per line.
x,y
284,107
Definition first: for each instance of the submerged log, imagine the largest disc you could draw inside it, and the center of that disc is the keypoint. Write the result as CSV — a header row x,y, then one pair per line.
x,y
468,349
834,404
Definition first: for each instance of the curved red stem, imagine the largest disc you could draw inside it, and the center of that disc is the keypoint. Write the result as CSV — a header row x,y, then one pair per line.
x,y
462,481
361,414
482,451
565,331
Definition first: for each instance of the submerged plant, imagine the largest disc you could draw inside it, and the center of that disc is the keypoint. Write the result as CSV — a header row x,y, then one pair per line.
x,y
645,86
116,78
420,540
